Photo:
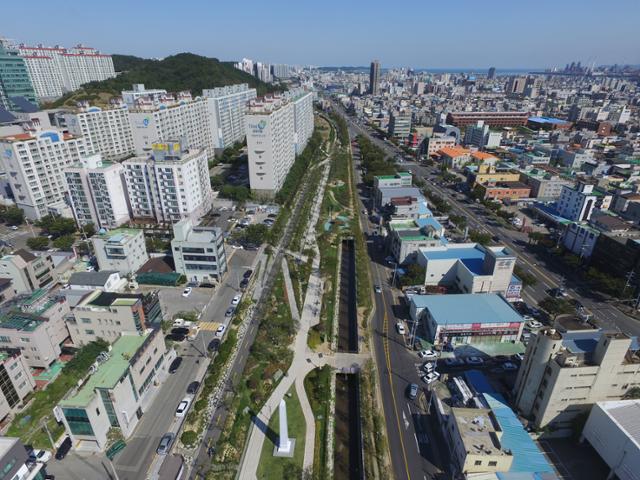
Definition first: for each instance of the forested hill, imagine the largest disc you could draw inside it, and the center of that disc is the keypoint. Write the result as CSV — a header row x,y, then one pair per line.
x,y
184,71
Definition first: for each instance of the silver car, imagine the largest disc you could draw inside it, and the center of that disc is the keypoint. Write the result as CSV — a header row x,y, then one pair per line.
x,y
165,443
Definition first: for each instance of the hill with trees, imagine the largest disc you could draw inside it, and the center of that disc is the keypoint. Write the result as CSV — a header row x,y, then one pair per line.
x,y
184,71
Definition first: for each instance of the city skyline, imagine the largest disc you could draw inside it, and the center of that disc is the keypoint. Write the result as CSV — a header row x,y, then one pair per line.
x,y
350,34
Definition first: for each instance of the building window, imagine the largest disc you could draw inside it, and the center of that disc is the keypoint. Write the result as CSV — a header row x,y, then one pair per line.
x,y
78,421
493,464
477,462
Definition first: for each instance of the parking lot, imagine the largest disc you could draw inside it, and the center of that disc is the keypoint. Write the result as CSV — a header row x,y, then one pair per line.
x,y
172,301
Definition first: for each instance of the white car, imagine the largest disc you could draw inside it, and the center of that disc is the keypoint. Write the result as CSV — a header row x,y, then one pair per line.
x,y
527,318
430,377
427,354
186,292
236,300
220,330
429,367
400,328
183,406
534,324
474,361
40,456
378,289
14,227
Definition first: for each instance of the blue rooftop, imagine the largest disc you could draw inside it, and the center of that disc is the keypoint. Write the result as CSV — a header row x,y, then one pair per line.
x,y
465,253
468,308
429,222
527,457
550,120
474,265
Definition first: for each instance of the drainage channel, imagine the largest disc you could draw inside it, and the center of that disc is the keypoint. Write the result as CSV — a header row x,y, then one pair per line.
x,y
347,456
347,306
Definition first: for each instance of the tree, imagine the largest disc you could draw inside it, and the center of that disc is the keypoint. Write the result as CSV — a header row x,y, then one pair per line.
x,y
632,394
535,237
56,225
65,242
556,306
216,181
459,220
527,278
238,193
479,237
415,275
12,216
255,234
89,230
188,438
38,243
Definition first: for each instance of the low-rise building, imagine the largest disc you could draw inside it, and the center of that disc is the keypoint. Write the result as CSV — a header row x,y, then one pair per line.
x,y
105,280
580,239
385,195
16,381
35,324
481,136
117,392
488,173
564,373
198,252
15,463
468,267
502,190
123,250
400,179
577,204
546,183
107,315
406,237
431,145
466,319
454,157
27,271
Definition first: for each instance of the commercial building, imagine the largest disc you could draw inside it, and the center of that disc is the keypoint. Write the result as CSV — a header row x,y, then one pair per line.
x,y
374,78
117,392
198,252
468,267
97,192
481,136
454,157
487,172
384,196
400,124
492,119
612,430
577,204
14,79
398,180
107,315
73,67
270,130
123,250
107,132
35,164
565,372
227,106
580,238
406,237
35,324
431,145
548,123
169,185
492,190
27,272
466,319
16,381
546,183
15,463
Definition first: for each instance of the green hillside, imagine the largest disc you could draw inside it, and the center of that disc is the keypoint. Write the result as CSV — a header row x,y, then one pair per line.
x,y
184,71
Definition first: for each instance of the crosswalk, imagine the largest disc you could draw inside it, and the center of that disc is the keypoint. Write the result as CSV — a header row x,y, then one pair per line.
x,y
211,326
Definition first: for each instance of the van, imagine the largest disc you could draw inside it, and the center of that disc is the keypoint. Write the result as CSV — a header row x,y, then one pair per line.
x,y
63,449
412,391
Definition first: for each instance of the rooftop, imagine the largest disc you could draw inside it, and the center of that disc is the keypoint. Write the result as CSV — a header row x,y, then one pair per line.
x,y
483,156
454,151
109,372
108,299
92,279
478,431
118,235
467,308
626,414
549,120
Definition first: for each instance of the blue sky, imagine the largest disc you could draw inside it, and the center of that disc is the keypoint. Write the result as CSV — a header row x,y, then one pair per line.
x,y
426,33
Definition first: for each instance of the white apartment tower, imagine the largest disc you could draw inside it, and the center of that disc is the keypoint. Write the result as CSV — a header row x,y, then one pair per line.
x,y
35,165
226,109
97,192
270,128
169,185
302,102
66,69
107,132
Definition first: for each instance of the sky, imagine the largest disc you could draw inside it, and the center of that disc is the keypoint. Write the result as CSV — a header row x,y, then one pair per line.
x,y
419,34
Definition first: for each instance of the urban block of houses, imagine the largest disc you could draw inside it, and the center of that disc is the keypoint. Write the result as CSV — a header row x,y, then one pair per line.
x,y
118,391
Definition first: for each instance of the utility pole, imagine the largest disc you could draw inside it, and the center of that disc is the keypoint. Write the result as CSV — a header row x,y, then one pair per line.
x,y
630,276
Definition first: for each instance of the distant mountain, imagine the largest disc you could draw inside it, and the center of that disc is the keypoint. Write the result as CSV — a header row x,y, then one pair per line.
x,y
184,71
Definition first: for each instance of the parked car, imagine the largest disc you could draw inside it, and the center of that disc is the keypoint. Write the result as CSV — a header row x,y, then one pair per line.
x,y
229,312
193,387
430,377
63,449
244,283
509,366
429,367
40,456
173,368
14,227
183,406
235,300
412,391
187,291
377,289
400,328
220,330
473,360
534,324
213,345
165,443
428,354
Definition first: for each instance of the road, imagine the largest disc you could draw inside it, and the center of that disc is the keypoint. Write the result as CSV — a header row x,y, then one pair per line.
x,y
411,431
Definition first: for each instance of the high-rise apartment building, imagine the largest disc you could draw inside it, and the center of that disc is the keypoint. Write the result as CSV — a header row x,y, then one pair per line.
x,y
66,69
226,106
374,78
400,124
170,184
14,79
492,73
35,164
481,136
303,124
107,132
246,65
281,70
97,192
516,85
263,72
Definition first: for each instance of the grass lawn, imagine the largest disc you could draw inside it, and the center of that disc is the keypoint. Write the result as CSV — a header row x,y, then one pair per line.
x,y
317,384
271,467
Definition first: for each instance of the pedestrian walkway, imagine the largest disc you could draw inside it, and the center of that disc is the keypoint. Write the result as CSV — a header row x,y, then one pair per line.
x,y
210,326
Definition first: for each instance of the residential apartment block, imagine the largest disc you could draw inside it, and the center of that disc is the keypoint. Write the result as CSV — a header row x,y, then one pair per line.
x,y
14,79
198,252
16,381
226,109
169,185
27,272
35,165
577,204
97,192
123,250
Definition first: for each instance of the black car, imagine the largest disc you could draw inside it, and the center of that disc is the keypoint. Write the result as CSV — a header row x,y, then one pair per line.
x,y
193,387
213,345
244,283
63,449
247,274
175,337
180,331
173,368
